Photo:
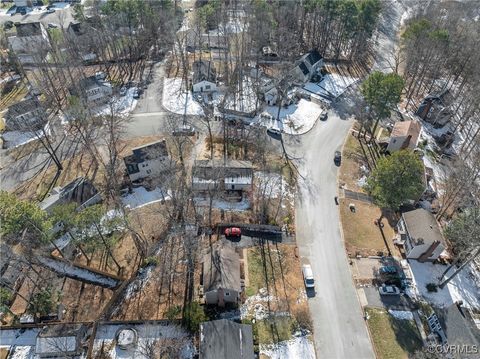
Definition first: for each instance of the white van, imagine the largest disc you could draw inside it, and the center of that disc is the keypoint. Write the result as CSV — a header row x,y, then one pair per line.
x,y
308,276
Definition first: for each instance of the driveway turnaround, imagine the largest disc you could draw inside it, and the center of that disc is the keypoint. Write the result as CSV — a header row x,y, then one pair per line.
x,y
339,327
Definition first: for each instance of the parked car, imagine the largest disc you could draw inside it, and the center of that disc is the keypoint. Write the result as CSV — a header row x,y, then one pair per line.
x,y
123,91
233,232
136,93
308,276
52,25
100,75
184,130
275,133
50,11
389,290
324,116
388,270
337,159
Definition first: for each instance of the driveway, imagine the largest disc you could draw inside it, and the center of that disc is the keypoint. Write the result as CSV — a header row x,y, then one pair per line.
x,y
339,327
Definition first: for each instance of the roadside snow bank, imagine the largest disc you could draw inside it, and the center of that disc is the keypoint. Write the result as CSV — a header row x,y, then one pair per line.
x,y
178,100
14,139
295,119
299,347
465,286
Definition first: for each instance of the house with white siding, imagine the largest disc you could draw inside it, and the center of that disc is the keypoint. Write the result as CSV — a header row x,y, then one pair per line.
x,y
231,175
147,161
31,42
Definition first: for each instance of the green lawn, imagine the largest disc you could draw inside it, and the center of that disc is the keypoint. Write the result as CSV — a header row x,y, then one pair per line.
x,y
393,338
274,330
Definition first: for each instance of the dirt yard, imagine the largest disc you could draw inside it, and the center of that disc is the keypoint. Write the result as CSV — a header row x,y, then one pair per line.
x,y
275,283
360,232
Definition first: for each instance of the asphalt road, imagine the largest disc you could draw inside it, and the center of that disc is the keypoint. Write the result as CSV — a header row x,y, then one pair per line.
x,y
339,327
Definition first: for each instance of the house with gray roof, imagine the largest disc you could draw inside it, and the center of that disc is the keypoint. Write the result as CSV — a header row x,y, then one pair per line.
x,y
60,341
31,42
226,339
26,115
229,175
146,161
221,275
420,235
204,76
307,66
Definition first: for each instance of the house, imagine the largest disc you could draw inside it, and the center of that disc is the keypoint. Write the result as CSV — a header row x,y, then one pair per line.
x,y
80,35
271,96
221,275
92,90
226,339
147,161
435,109
461,328
243,101
26,115
420,235
404,135
232,175
31,43
214,39
60,341
80,191
204,76
308,65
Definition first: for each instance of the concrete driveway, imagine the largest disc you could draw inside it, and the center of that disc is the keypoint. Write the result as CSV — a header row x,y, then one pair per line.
x,y
339,327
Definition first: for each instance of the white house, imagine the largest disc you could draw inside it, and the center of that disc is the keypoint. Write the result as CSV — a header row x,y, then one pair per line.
x,y
404,135
147,161
233,175
31,43
204,76
92,90
221,275
26,115
420,235
271,96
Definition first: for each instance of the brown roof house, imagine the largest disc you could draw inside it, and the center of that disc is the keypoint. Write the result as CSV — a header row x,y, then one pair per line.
x,y
420,235
221,275
404,135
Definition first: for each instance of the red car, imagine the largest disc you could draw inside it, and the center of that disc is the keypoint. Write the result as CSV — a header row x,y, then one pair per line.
x,y
233,232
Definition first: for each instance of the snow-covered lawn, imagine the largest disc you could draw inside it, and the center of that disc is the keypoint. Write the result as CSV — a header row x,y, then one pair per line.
x,y
141,197
298,347
147,334
243,205
13,139
178,100
332,85
296,119
256,305
122,105
465,286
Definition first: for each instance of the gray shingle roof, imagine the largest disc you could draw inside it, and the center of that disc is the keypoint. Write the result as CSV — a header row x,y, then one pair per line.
x,y
221,268
422,226
225,339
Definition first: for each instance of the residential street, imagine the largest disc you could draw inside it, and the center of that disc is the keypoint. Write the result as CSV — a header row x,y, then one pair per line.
x,y
339,328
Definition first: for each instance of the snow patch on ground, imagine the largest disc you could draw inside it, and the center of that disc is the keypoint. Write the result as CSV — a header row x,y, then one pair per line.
x,y
140,197
21,352
331,85
273,185
14,139
178,100
299,347
465,286
256,305
122,105
401,314
295,119
243,205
